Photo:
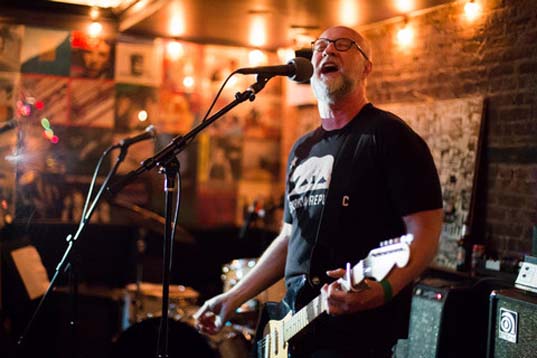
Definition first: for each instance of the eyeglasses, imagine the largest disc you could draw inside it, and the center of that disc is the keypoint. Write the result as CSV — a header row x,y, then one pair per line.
x,y
342,44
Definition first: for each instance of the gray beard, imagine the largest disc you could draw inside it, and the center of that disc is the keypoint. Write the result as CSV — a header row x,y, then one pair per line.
x,y
330,92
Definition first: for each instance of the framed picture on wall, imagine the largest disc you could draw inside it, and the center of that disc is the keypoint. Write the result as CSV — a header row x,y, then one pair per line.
x,y
91,57
451,129
139,63
261,160
46,51
136,107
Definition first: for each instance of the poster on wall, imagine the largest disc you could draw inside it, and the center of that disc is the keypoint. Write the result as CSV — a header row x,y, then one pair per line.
x,y
139,63
91,57
218,63
262,118
260,161
92,103
451,130
176,112
220,150
46,51
225,154
46,97
218,172
221,61
136,107
8,90
10,47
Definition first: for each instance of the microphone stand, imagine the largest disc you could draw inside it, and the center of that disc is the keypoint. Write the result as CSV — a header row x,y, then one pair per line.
x,y
250,216
169,166
65,262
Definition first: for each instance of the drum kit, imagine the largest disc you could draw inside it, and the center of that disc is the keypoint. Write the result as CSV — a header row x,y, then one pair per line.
x,y
142,313
143,309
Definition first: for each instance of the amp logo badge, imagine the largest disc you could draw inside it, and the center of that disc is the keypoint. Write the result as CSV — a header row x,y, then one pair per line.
x,y
508,327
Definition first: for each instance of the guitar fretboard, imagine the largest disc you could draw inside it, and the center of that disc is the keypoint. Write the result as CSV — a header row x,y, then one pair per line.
x,y
303,317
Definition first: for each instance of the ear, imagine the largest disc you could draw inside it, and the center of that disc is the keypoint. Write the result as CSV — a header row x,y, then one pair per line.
x,y
368,67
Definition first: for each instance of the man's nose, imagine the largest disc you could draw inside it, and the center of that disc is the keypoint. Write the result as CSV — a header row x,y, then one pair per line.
x,y
330,48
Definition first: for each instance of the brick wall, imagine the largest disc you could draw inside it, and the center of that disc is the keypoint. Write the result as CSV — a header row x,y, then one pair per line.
x,y
495,56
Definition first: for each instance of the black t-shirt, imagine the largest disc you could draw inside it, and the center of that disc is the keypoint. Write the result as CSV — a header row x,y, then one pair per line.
x,y
392,175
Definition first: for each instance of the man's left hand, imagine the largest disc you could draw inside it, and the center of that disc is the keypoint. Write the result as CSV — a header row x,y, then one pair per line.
x,y
339,302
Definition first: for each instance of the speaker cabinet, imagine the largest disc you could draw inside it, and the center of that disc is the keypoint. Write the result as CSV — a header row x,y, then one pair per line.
x,y
512,324
447,319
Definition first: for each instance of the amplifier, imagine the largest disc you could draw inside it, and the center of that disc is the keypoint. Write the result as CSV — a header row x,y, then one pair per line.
x,y
447,319
512,324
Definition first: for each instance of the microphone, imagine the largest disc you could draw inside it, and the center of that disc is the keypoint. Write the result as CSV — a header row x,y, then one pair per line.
x,y
8,125
150,132
298,69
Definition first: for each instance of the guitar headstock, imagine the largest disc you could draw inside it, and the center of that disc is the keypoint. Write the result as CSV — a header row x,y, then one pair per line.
x,y
395,252
379,262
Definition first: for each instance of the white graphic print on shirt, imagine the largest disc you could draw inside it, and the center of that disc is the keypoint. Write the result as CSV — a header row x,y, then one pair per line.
x,y
312,175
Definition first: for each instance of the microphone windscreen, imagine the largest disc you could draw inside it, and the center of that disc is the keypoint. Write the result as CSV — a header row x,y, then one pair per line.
x,y
303,69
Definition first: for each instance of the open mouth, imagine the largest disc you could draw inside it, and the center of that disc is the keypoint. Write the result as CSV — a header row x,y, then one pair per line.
x,y
328,68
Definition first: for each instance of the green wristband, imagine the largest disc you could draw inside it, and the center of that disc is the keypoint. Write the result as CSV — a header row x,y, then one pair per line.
x,y
387,288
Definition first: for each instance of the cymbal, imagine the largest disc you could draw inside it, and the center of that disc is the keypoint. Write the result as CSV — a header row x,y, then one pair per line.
x,y
155,290
150,218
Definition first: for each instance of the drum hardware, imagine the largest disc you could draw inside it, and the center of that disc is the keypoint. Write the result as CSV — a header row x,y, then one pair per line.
x,y
144,300
247,332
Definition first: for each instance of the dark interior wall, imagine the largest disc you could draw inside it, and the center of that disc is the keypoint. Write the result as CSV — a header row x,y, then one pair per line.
x,y
496,57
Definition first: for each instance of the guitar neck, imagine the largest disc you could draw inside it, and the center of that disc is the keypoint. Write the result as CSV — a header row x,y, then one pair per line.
x,y
303,317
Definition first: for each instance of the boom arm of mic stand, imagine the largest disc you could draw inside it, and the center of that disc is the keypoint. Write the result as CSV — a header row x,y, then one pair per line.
x,y
179,143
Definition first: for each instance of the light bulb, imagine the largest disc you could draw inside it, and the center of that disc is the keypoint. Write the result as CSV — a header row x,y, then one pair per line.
x,y
472,10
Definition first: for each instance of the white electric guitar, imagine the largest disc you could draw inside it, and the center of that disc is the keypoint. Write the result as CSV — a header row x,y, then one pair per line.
x,y
377,265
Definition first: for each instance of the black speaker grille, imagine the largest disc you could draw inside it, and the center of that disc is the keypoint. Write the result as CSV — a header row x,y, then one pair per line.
x,y
424,329
516,320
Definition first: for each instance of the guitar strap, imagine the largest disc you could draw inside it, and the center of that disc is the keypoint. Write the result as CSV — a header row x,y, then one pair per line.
x,y
336,199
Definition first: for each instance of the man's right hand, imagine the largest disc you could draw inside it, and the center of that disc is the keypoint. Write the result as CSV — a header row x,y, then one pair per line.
x,y
215,312
210,318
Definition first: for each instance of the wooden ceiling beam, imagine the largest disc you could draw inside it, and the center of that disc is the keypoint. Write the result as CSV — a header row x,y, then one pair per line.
x,y
139,11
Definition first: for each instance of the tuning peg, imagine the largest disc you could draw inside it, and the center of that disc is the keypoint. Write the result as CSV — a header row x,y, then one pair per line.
x,y
407,239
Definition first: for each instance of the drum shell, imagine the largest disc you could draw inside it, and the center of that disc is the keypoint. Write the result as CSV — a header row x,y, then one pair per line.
x,y
140,340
